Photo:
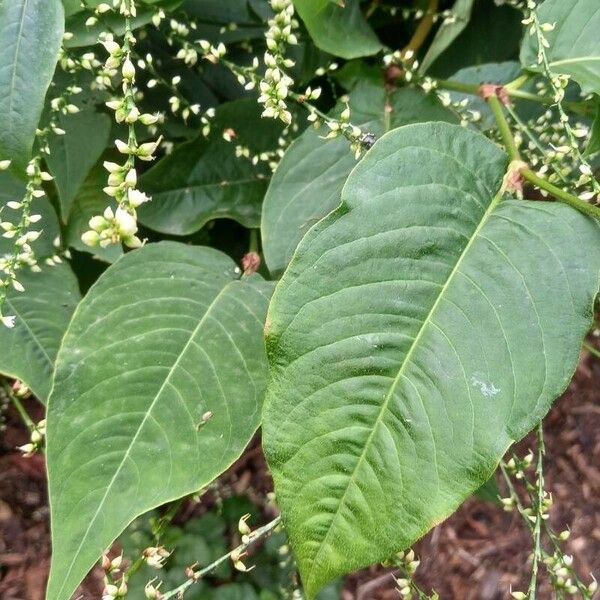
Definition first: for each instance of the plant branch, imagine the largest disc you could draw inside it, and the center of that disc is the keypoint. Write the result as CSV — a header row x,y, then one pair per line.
x,y
570,199
423,29
511,147
593,351
252,538
539,513
473,89
507,137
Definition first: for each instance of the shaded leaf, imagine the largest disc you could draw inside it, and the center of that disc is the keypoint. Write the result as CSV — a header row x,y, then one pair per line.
x,y
309,179
448,31
13,189
43,311
73,155
338,27
412,340
30,36
89,202
167,333
204,180
87,35
574,44
594,141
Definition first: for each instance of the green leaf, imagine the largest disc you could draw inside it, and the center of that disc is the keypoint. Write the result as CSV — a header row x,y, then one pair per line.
x,y
593,145
30,36
73,155
574,44
89,202
489,491
338,27
412,340
204,179
309,179
13,189
43,311
167,333
449,30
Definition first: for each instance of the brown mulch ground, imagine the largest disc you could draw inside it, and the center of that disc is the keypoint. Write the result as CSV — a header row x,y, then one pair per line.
x,y
477,554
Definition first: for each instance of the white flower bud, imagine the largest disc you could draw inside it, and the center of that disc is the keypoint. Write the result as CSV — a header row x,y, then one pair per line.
x,y
4,164
147,119
126,222
90,238
122,147
112,47
137,198
131,178
128,70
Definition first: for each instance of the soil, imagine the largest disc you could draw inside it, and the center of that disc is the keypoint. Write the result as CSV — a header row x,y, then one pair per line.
x,y
476,554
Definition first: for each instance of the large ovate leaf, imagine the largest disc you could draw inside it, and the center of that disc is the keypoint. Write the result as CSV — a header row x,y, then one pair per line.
x,y
338,27
412,339
42,311
73,155
168,333
309,179
204,179
573,44
30,36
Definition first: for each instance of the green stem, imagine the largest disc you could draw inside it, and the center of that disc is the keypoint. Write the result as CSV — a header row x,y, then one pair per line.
x,y
570,199
503,126
474,90
458,86
511,147
539,504
253,246
518,82
593,351
252,538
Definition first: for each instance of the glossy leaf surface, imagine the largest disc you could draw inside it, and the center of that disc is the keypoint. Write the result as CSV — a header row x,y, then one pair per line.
x,y
30,36
338,27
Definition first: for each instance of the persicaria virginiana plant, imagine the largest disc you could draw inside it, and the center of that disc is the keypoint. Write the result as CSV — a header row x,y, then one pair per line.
x,y
370,229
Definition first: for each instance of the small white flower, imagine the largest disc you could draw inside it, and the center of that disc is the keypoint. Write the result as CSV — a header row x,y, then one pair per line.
x,y
126,222
8,321
137,198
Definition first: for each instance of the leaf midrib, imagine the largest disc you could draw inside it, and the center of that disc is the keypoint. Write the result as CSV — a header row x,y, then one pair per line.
x,y
15,63
406,361
139,429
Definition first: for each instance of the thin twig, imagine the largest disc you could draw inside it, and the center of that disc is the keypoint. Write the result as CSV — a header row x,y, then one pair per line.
x,y
253,537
